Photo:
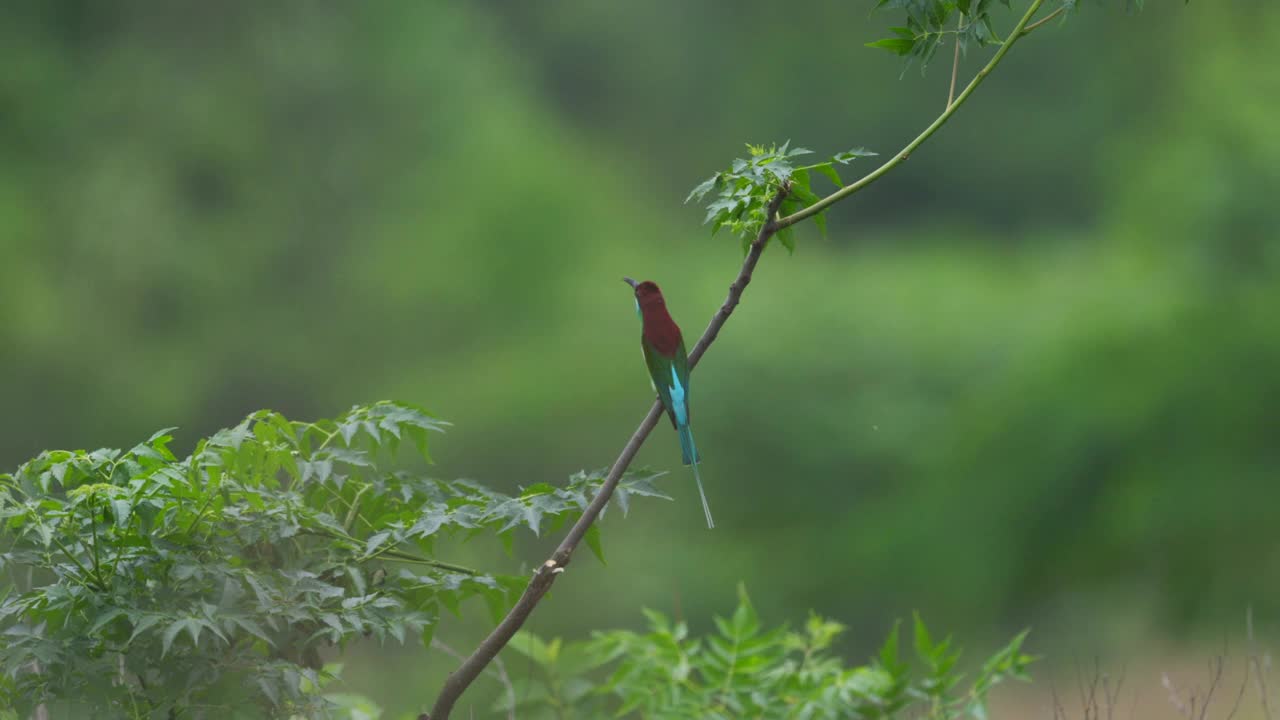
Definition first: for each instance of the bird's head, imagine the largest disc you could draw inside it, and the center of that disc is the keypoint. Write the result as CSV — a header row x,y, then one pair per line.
x,y
647,292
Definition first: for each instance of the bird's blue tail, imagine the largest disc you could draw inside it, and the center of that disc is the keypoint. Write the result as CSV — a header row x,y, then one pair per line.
x,y
687,448
690,452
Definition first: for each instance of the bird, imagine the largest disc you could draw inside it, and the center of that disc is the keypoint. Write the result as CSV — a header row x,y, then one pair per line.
x,y
668,364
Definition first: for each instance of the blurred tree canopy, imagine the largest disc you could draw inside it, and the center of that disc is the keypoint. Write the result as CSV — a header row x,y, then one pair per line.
x,y
1031,377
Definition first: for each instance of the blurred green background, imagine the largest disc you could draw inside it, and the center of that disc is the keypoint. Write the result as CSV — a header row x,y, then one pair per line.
x,y
1031,378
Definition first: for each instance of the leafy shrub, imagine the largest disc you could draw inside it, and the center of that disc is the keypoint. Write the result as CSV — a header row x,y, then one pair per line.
x,y
742,193
746,671
142,585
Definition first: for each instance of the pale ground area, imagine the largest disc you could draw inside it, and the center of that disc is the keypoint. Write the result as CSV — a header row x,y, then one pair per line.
x,y
1144,693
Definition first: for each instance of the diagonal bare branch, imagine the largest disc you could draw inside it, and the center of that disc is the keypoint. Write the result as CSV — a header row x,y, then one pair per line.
x,y
546,574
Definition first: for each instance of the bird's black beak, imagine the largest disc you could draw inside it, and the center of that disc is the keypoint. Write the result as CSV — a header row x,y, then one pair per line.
x,y
630,282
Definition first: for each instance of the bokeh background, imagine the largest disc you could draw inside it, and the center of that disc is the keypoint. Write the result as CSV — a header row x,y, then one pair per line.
x,y
1032,378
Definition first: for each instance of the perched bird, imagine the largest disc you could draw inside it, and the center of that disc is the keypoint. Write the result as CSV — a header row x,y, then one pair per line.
x,y
668,363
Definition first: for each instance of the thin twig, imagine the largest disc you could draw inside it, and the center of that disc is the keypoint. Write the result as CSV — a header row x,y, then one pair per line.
x,y
1244,685
955,62
1259,676
546,574
392,553
1089,692
1027,30
905,152
96,584
1196,706
1112,693
1216,666
1059,712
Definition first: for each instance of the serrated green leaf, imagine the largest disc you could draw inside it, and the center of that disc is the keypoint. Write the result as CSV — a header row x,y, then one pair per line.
x,y
171,632
105,618
700,191
829,171
143,623
375,541
889,650
923,642
333,621
419,437
428,634
121,509
895,45
253,628
592,537
353,573
787,236
848,156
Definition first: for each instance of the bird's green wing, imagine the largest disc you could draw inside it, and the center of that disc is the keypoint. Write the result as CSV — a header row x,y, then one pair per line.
x,y
660,374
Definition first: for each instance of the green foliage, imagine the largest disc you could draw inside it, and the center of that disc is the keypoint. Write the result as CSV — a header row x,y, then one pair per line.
x,y
743,670
977,319
928,23
741,194
144,585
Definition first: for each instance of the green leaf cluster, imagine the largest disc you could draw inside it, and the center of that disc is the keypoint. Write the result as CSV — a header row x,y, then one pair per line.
x,y
928,23
144,585
740,196
743,670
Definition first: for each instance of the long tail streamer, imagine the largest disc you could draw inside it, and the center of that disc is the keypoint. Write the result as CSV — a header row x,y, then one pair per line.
x,y
691,458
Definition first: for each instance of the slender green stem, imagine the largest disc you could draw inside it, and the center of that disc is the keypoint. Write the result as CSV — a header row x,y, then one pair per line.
x,y
955,62
733,666
84,570
307,427
399,556
336,496
329,436
355,505
200,513
93,529
115,563
9,482
392,553
1027,30
1018,31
